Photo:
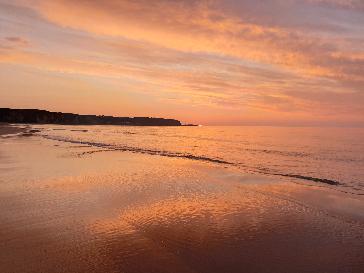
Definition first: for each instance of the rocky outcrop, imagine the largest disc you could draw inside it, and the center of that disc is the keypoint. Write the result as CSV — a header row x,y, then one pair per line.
x,y
36,116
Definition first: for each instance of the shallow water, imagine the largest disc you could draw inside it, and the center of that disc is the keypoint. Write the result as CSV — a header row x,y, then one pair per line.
x,y
66,208
331,156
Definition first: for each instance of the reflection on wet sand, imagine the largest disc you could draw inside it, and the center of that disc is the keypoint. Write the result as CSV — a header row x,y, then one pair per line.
x,y
123,212
232,232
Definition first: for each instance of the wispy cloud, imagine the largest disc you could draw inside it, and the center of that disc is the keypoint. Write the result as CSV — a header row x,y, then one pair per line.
x,y
272,58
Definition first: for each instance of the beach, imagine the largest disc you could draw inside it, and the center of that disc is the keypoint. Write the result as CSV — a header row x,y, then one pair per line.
x,y
75,207
6,129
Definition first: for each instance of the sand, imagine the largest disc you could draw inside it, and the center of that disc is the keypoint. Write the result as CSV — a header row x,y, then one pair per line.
x,y
68,208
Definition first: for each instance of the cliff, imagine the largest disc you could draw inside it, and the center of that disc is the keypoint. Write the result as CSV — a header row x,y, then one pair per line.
x,y
36,116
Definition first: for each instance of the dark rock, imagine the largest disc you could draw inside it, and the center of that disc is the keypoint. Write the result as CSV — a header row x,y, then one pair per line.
x,y
35,116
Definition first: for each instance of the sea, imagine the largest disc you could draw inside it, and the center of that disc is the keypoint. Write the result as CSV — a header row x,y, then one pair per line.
x,y
328,157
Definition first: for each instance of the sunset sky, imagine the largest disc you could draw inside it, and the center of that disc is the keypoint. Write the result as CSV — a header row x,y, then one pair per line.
x,y
285,62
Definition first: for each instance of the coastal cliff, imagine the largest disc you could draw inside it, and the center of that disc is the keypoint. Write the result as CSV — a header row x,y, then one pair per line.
x,y
36,116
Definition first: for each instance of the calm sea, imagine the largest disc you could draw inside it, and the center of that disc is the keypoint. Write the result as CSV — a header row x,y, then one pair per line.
x,y
331,157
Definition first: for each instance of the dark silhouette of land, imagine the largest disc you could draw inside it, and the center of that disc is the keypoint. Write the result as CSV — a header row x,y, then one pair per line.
x,y
35,116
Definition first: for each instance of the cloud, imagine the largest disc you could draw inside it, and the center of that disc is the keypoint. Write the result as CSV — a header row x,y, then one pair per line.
x,y
357,5
13,42
218,84
279,58
210,26
17,41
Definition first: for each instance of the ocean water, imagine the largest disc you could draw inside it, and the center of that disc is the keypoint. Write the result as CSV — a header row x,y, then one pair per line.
x,y
181,199
331,157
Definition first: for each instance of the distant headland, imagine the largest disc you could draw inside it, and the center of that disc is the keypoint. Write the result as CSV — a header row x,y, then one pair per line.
x,y
36,116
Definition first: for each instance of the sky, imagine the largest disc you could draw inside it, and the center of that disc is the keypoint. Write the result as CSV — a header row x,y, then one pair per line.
x,y
213,62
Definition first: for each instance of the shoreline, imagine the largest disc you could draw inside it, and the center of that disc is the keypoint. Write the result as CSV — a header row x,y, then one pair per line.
x,y
9,129
67,208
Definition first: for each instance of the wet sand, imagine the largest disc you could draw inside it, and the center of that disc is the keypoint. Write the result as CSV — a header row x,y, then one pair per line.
x,y
71,208
7,129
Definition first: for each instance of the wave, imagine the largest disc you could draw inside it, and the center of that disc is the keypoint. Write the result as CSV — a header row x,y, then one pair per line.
x,y
310,178
265,171
283,153
111,147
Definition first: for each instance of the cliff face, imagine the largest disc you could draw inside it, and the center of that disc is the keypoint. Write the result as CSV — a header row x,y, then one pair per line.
x,y
45,117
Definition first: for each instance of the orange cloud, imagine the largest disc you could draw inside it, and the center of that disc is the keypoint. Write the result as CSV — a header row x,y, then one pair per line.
x,y
202,27
244,61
